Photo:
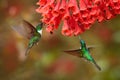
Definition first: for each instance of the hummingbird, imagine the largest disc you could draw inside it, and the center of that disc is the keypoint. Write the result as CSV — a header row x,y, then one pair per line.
x,y
83,52
33,34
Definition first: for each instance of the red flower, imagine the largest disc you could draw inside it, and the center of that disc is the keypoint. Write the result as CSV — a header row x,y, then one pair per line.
x,y
76,15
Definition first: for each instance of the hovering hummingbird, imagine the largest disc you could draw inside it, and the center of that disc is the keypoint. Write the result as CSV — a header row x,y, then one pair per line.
x,y
83,52
30,32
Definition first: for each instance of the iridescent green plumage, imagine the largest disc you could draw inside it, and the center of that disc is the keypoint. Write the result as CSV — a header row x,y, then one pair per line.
x,y
83,52
30,32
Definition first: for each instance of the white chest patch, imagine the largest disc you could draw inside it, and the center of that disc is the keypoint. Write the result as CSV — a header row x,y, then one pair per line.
x,y
40,31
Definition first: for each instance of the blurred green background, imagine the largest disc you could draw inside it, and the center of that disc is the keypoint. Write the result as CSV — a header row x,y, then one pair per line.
x,y
47,61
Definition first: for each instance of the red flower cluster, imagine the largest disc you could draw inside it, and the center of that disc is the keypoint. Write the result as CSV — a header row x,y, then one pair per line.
x,y
76,15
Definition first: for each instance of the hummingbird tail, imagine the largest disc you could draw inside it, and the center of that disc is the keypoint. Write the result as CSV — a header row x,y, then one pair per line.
x,y
98,67
27,51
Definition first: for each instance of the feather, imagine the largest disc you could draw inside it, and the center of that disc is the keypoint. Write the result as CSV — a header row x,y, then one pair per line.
x,y
26,29
75,52
97,66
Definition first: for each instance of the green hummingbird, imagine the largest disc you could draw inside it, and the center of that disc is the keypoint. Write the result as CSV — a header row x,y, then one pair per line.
x,y
32,33
83,52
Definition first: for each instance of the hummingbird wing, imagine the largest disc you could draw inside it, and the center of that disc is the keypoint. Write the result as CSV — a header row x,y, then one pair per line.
x,y
30,29
92,47
75,52
25,29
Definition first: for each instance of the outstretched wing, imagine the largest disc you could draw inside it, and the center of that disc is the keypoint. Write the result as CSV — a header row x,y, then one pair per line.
x,y
75,52
25,29
91,47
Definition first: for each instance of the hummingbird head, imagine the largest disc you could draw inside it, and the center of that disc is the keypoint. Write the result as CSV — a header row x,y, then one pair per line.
x,y
82,42
39,28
